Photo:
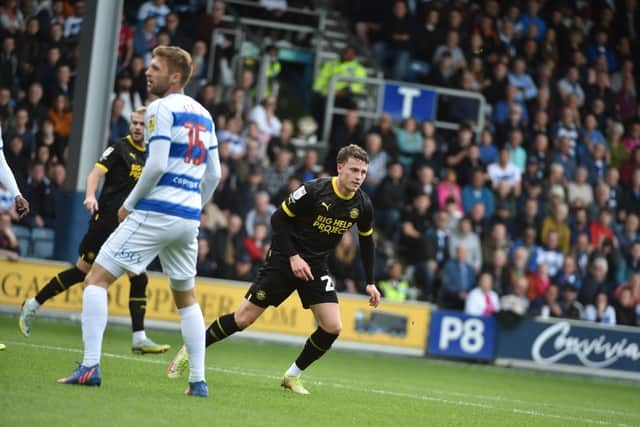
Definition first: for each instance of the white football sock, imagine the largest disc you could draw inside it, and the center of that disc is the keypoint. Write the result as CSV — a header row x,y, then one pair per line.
x,y
32,304
94,322
193,334
293,370
139,337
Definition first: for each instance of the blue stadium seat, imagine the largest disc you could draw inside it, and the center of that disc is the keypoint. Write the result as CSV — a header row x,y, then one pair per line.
x,y
42,240
23,234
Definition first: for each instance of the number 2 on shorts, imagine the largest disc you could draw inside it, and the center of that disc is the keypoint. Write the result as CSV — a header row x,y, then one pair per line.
x,y
329,284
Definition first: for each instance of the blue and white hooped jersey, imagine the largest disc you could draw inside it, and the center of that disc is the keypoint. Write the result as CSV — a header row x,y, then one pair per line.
x,y
189,127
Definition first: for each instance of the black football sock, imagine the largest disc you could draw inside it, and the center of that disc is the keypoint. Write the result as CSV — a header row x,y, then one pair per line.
x,y
317,344
60,283
221,328
138,301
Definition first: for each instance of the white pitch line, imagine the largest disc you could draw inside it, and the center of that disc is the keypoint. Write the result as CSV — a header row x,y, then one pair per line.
x,y
237,371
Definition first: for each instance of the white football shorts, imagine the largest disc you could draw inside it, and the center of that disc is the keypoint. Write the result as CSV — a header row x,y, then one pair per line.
x,y
144,235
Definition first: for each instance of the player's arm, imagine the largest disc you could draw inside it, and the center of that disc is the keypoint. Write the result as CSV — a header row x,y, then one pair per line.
x,y
212,173
9,182
367,252
282,227
157,160
93,180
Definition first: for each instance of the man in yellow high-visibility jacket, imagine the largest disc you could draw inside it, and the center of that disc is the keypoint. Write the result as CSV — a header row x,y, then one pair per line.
x,y
346,66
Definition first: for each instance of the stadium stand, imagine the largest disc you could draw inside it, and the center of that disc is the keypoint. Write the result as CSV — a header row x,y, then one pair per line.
x,y
552,152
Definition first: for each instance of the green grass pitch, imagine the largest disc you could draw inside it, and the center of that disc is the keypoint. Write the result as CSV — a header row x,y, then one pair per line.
x,y
348,388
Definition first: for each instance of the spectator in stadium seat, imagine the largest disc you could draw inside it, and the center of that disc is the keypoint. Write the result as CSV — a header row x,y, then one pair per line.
x,y
497,240
630,167
257,243
278,173
206,266
570,84
61,116
430,158
9,63
498,267
502,109
428,30
436,254
144,39
156,9
504,170
596,164
395,288
409,142
260,214
499,81
21,130
600,311
482,300
396,43
384,128
309,168
449,189
73,23
630,264
628,233
118,125
517,154
458,278
568,275
346,92
579,191
39,192
465,236
526,87
626,103
378,159
416,220
35,106
176,35
600,229
264,115
389,199
227,244
132,100
625,308
477,192
547,305
571,307
345,132
282,142
345,265
600,48
595,281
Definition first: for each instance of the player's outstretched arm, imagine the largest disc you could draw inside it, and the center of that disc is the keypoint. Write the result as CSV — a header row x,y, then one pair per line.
x,y
93,179
367,253
9,182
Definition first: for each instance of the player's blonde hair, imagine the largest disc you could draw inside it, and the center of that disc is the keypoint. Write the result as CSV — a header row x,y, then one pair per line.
x,y
354,151
178,61
141,110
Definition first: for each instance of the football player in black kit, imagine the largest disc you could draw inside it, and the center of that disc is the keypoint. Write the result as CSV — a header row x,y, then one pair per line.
x,y
306,227
121,165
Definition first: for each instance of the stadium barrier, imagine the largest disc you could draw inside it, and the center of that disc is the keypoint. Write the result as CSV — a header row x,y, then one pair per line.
x,y
461,336
570,346
392,325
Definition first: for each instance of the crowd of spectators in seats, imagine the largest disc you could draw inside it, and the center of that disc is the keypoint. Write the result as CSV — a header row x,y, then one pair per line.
x,y
537,213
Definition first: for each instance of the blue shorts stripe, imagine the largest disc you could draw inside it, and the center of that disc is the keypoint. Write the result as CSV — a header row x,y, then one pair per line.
x,y
183,182
180,118
168,208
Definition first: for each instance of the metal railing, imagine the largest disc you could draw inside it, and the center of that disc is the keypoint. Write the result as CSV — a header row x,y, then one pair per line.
x,y
374,98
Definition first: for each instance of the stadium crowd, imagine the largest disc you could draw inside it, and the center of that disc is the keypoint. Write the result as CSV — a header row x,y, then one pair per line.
x,y
538,214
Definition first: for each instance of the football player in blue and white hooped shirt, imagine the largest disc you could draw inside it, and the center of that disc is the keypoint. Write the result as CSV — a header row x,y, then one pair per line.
x,y
161,216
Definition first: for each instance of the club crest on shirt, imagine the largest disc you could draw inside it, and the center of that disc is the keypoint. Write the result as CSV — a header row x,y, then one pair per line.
x,y
151,123
354,213
106,153
297,195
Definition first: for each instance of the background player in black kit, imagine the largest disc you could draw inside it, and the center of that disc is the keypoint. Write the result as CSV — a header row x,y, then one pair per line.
x,y
306,227
121,165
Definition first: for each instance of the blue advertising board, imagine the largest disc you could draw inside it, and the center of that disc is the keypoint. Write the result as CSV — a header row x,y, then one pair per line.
x,y
574,344
404,100
458,335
